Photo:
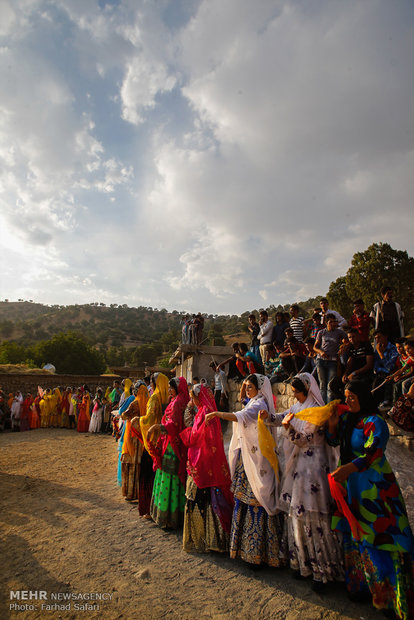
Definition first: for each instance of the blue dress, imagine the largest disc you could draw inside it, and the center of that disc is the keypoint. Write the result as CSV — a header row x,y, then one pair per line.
x,y
382,561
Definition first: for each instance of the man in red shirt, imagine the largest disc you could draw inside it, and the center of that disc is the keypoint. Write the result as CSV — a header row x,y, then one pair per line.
x,y
360,320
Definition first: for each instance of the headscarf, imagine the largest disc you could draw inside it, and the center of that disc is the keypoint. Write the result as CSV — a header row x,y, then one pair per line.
x,y
207,463
265,390
173,424
126,393
314,396
155,406
141,398
366,407
258,469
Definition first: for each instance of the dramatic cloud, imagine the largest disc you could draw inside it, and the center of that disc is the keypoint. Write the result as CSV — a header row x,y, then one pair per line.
x,y
201,155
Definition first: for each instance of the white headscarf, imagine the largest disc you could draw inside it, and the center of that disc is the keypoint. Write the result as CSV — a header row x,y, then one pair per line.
x,y
265,390
314,397
258,470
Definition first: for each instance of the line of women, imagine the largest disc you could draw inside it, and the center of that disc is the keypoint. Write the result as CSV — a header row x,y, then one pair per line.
x,y
274,505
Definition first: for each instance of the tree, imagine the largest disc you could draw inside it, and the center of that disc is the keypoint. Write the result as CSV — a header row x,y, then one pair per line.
x,y
12,353
338,298
70,355
378,266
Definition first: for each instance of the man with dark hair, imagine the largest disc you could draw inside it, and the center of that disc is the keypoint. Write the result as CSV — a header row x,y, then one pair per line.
x,y
221,389
296,322
325,311
360,320
388,316
293,356
254,329
360,359
233,372
278,336
247,362
327,347
385,358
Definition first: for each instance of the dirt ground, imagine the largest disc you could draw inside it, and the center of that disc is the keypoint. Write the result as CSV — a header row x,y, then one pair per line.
x,y
66,529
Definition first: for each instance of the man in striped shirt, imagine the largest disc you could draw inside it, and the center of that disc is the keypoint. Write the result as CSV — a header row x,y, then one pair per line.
x,y
296,322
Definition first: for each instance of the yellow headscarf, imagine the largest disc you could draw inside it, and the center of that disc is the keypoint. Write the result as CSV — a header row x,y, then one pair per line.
x,y
141,398
267,445
318,415
154,407
127,385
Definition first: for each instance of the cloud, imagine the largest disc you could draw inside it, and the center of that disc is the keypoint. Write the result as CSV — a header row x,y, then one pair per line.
x,y
208,153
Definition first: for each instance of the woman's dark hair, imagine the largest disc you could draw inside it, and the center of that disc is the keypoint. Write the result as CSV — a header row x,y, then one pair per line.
x,y
365,398
299,386
243,346
173,384
253,379
366,407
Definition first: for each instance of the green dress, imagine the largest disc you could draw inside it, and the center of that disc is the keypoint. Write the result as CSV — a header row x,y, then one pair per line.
x,y
168,495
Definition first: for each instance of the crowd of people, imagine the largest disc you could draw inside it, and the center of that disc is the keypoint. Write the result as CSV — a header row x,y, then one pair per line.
x,y
369,347
192,329
60,407
309,488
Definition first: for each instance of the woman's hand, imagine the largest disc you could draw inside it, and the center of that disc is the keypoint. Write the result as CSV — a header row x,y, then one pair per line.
x,y
263,414
286,420
210,416
333,421
342,473
152,429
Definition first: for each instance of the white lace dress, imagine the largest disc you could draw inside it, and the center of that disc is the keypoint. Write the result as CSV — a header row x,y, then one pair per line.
x,y
312,547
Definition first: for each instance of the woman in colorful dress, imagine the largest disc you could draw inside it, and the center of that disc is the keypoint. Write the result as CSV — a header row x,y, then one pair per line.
x,y
16,410
25,417
209,500
155,408
64,408
132,448
312,548
169,455
256,527
119,424
84,417
35,417
378,542
96,417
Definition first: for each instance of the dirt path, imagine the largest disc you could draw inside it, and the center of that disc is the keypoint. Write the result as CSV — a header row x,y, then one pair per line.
x,y
66,529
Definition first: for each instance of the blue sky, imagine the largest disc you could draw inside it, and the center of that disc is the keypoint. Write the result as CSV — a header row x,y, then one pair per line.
x,y
213,155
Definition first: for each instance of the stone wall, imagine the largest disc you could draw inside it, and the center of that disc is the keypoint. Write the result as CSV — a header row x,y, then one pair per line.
x,y
28,383
282,391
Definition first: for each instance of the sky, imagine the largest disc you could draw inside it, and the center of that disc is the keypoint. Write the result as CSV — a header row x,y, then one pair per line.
x,y
201,155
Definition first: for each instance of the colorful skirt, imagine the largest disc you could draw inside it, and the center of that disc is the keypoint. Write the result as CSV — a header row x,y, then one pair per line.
x,y
168,495
387,575
254,535
203,531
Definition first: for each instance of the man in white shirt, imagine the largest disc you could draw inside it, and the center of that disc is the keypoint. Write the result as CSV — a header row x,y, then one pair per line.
x,y
221,389
265,334
325,310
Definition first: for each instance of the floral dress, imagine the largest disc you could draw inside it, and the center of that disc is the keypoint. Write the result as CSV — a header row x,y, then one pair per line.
x,y
313,549
381,562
